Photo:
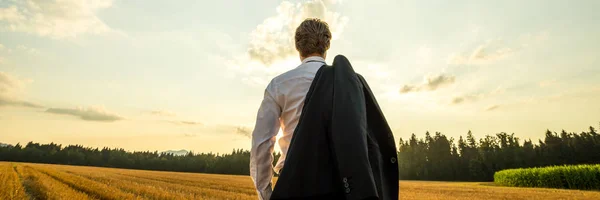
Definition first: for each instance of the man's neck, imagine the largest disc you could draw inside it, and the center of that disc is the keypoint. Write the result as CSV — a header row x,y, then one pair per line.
x,y
312,55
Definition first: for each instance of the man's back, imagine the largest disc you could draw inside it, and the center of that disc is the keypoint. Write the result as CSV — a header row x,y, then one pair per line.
x,y
291,88
281,108
282,103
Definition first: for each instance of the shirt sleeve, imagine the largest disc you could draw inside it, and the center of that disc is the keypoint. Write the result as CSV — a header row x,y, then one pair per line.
x,y
263,141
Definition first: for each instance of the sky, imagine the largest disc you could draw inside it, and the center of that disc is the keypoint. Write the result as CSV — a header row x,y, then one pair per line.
x,y
160,75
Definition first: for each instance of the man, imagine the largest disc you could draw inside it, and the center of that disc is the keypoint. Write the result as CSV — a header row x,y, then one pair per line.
x,y
283,101
337,143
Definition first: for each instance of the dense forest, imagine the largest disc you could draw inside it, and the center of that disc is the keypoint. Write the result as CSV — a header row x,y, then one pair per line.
x,y
435,157
237,162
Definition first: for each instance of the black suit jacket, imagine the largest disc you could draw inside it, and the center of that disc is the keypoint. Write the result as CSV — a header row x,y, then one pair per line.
x,y
342,147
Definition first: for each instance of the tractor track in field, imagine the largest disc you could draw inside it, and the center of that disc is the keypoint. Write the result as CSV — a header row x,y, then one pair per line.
x,y
108,179
29,191
176,187
36,193
181,182
80,188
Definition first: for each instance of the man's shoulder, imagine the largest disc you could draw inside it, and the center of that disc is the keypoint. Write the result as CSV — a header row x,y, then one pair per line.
x,y
285,76
277,80
292,76
291,73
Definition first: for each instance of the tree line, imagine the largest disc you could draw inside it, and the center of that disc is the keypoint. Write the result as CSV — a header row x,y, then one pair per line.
x,y
434,157
437,157
236,162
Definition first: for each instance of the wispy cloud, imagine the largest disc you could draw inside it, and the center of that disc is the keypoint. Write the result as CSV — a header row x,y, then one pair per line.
x,y
9,82
458,100
548,83
161,113
190,134
494,50
27,49
11,90
493,107
183,122
9,102
92,113
219,129
54,19
244,131
483,53
477,96
467,98
430,83
237,129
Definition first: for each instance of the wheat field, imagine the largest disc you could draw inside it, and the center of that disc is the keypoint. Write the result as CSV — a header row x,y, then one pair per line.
x,y
44,181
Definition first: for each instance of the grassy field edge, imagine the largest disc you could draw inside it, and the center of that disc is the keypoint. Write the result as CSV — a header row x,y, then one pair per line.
x,y
581,177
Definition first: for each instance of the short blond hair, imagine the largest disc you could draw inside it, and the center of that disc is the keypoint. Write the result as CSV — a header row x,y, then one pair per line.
x,y
312,36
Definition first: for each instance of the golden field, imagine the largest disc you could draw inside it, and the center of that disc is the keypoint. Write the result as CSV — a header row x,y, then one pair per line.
x,y
43,181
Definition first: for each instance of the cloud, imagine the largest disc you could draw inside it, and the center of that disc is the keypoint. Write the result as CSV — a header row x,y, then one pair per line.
x,y
8,82
27,49
9,102
57,19
244,131
11,89
435,82
408,88
161,113
271,50
218,129
273,39
548,83
190,134
493,107
237,129
473,97
430,83
467,98
331,2
93,113
495,50
484,53
183,122
458,100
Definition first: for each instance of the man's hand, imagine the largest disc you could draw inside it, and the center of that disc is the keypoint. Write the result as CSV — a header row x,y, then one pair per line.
x,y
266,194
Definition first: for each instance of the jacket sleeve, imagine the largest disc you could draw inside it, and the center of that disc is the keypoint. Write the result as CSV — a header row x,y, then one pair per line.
x,y
263,141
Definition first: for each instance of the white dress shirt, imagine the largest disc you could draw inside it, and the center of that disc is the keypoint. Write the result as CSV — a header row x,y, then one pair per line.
x,y
280,108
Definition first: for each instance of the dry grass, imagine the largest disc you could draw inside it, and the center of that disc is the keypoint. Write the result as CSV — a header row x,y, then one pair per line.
x,y
168,185
72,182
41,186
10,183
92,188
410,190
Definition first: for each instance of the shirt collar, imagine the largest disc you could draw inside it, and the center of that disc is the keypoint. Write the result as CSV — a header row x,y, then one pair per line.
x,y
315,58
